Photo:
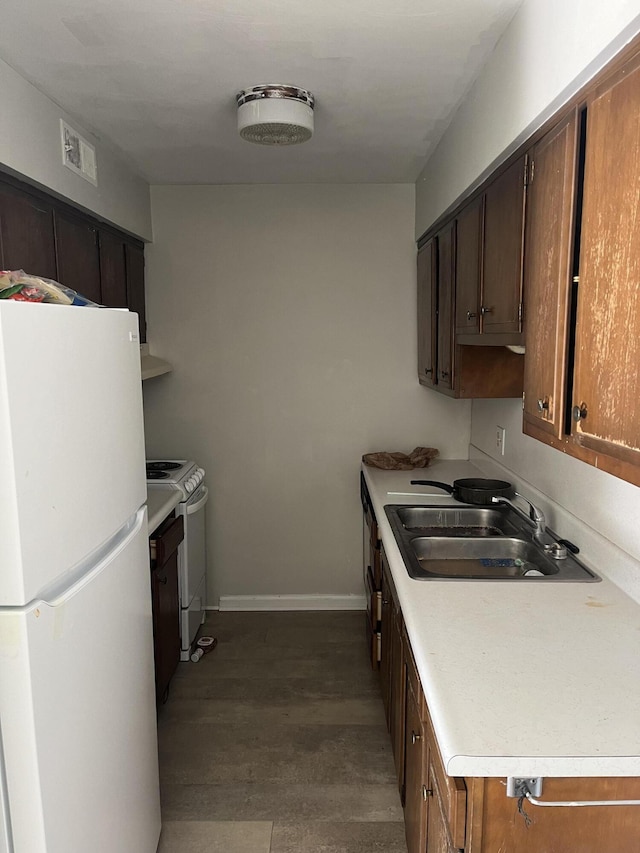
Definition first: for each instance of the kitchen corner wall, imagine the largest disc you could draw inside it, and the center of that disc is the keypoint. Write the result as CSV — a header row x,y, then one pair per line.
x,y
549,50
289,315
30,147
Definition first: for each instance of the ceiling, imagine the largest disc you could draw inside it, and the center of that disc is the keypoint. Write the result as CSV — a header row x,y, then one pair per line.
x,y
157,79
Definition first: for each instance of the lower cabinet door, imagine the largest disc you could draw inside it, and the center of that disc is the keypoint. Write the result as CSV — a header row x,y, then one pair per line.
x,y
438,836
166,622
398,678
416,799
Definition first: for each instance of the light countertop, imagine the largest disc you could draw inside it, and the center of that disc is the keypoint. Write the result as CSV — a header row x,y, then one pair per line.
x,y
160,502
521,678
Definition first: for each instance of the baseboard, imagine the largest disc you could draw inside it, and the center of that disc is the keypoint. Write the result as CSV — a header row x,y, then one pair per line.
x,y
293,602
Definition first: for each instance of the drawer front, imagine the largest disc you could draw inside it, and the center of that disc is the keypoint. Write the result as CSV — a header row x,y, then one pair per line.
x,y
374,602
166,539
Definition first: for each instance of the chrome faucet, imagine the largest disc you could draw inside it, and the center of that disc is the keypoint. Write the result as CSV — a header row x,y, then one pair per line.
x,y
556,550
535,518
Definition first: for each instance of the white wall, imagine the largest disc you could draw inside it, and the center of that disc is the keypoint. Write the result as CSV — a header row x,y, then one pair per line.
x,y
30,147
550,49
288,313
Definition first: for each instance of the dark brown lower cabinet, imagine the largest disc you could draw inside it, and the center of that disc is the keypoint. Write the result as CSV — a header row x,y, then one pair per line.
x,y
397,698
373,577
385,646
416,791
165,599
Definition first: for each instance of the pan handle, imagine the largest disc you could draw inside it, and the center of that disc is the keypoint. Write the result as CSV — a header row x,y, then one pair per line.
x,y
445,486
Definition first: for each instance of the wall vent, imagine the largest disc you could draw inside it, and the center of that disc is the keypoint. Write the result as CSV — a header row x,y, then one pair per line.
x,y
78,154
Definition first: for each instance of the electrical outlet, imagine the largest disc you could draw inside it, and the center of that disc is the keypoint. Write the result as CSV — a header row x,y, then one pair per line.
x,y
501,435
517,786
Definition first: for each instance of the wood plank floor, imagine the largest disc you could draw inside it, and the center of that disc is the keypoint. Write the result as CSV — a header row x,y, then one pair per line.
x,y
275,742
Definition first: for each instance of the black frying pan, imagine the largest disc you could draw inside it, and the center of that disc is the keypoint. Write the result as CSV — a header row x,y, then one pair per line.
x,y
473,490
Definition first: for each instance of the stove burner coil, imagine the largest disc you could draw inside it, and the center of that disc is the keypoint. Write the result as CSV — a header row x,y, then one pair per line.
x,y
162,466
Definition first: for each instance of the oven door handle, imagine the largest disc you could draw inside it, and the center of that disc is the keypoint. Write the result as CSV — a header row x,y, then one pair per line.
x,y
191,508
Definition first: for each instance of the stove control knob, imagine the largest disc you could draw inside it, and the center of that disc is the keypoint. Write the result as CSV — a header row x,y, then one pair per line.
x,y
189,484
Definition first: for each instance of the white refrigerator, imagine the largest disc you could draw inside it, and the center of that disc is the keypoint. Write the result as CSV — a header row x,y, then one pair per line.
x,y
78,745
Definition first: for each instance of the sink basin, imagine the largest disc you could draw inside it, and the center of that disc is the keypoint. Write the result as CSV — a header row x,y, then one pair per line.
x,y
456,521
481,558
476,543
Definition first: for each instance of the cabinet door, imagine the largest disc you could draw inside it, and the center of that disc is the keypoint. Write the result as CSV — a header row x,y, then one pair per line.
x,y
606,379
113,270
446,284
438,837
78,256
398,695
166,603
26,233
548,275
385,645
415,804
427,313
502,256
469,267
166,622
134,256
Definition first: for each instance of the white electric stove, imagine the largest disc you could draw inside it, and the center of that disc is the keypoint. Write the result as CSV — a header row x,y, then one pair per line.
x,y
188,478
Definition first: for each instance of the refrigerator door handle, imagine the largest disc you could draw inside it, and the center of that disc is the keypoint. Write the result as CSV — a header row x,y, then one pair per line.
x,y
86,571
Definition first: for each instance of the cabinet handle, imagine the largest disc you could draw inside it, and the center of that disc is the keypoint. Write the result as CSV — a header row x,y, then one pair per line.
x,y
484,310
415,738
426,792
164,580
471,315
543,404
579,412
428,370
444,374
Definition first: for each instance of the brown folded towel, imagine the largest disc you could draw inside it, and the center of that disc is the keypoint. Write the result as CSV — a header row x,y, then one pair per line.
x,y
418,458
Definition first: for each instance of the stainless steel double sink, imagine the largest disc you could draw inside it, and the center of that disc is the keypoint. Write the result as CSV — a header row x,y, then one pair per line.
x,y
478,543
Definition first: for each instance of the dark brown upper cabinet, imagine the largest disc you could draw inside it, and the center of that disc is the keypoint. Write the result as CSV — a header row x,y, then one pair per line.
x,y
134,259
489,261
78,256
501,291
549,241
48,238
113,270
469,228
458,371
427,284
26,233
446,241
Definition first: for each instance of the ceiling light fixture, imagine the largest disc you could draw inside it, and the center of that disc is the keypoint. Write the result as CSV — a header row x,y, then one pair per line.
x,y
273,114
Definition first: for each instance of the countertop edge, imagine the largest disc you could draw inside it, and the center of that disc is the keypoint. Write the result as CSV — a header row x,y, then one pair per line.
x,y
160,503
